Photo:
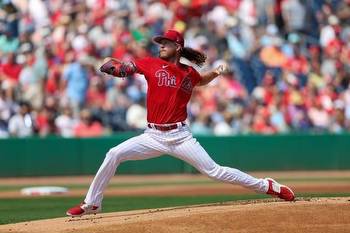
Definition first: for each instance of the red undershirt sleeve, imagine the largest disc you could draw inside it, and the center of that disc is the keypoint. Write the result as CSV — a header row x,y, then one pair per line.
x,y
195,76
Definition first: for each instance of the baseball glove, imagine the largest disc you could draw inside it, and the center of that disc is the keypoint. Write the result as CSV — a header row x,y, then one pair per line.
x,y
117,68
111,66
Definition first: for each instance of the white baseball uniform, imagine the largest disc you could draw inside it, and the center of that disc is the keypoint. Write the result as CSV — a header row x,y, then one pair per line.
x,y
178,143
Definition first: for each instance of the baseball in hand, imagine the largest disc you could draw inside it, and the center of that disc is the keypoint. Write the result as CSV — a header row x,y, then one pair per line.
x,y
221,69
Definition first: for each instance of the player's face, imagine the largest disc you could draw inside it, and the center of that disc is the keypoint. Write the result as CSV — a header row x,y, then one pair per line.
x,y
167,49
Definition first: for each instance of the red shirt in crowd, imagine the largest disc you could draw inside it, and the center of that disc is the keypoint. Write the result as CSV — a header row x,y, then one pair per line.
x,y
11,70
95,97
297,65
95,129
169,89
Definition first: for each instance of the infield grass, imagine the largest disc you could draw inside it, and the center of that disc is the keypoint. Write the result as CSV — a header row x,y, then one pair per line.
x,y
25,209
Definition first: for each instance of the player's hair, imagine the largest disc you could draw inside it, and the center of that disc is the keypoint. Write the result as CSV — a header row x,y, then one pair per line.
x,y
193,56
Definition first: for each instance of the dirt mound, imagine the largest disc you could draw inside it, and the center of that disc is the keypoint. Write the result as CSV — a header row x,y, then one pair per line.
x,y
305,215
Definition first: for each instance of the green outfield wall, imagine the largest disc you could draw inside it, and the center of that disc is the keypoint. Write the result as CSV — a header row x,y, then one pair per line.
x,y
59,156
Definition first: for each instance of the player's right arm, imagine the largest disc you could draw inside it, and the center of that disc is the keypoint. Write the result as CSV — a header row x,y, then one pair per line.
x,y
118,68
211,75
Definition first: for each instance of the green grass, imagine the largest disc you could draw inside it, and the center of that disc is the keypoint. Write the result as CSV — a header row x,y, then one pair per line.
x,y
24,209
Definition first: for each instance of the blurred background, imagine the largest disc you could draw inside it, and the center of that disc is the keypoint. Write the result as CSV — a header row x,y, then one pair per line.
x,y
290,63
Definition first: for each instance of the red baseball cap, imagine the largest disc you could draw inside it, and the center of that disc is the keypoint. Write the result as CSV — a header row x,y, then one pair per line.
x,y
171,35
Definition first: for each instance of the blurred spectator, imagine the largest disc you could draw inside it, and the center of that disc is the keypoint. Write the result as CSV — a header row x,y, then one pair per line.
x,y
136,115
76,78
293,12
22,124
65,123
10,70
290,63
8,43
223,128
6,110
277,118
319,117
45,119
31,81
202,125
87,127
96,94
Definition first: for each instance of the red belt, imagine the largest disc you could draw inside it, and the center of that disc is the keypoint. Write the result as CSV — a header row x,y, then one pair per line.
x,y
165,127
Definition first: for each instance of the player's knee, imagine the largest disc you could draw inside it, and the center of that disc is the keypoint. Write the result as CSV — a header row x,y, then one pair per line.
x,y
215,172
114,154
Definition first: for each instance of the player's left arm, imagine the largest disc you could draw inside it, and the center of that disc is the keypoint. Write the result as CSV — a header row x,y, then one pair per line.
x,y
211,75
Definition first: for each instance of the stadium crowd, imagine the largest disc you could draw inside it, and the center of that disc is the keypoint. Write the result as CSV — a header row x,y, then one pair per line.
x,y
289,59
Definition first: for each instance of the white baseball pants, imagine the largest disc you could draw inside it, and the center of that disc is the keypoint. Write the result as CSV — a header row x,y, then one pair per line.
x,y
178,143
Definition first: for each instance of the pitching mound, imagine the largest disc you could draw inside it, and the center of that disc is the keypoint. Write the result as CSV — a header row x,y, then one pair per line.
x,y
313,215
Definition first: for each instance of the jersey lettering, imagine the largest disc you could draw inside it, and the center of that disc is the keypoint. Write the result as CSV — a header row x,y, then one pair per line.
x,y
164,79
169,89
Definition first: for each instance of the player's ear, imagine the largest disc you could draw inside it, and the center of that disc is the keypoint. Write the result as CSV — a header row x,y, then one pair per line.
x,y
178,48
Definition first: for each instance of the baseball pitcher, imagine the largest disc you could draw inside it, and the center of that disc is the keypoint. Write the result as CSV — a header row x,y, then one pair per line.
x,y
170,85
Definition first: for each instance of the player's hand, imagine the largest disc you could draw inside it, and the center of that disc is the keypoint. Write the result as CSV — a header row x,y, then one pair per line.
x,y
221,69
